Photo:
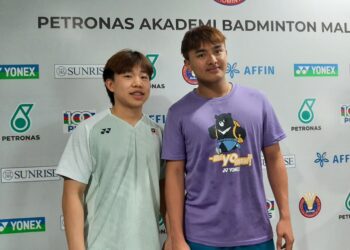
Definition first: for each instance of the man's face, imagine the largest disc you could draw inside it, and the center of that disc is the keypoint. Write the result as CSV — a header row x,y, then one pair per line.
x,y
209,62
131,89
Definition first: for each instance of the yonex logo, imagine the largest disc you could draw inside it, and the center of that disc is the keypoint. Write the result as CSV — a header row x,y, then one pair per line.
x,y
3,225
313,70
22,225
18,71
301,70
105,131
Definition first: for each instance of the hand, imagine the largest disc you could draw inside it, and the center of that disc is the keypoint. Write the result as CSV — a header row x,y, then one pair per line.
x,y
180,245
167,244
284,231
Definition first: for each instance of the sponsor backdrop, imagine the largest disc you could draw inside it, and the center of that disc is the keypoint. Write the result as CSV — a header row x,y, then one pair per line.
x,y
51,65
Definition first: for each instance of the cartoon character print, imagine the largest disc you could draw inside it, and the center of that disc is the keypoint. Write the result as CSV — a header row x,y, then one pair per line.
x,y
228,133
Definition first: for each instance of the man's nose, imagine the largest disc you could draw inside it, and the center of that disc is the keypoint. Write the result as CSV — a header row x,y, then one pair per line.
x,y
137,81
212,58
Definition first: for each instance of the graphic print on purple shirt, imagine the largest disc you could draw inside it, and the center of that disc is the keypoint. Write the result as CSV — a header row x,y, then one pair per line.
x,y
229,135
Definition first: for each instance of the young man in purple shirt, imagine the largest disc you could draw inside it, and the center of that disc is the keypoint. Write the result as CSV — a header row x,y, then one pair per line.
x,y
213,141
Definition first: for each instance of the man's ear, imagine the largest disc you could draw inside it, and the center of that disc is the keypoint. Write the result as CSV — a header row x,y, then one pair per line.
x,y
109,83
187,64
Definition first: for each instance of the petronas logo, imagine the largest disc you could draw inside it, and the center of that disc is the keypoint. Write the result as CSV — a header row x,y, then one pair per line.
x,y
347,202
20,121
152,58
305,114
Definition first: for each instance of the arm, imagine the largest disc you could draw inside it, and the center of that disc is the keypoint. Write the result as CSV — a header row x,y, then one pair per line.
x,y
174,196
164,214
277,175
73,212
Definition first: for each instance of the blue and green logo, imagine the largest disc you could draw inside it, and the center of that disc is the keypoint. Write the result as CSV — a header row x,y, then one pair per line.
x,y
20,121
152,58
232,69
316,70
305,114
19,71
22,225
347,202
321,159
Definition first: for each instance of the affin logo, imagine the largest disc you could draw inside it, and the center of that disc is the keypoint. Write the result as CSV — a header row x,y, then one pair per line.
x,y
20,121
232,69
158,118
25,71
336,159
305,114
321,159
152,58
22,225
313,70
250,70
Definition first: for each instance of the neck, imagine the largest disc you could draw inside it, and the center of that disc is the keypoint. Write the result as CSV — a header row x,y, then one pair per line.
x,y
131,116
214,90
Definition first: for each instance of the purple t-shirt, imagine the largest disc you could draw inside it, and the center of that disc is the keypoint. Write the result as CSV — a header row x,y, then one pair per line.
x,y
221,140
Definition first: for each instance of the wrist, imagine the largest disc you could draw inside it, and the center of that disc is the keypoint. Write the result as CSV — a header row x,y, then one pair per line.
x,y
284,214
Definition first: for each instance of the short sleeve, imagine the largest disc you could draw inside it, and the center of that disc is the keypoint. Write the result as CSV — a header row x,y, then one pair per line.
x,y
173,147
76,160
272,130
